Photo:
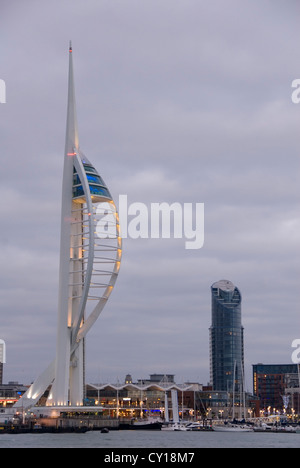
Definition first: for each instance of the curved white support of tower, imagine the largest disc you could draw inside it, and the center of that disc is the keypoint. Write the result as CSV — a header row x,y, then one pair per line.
x,y
90,255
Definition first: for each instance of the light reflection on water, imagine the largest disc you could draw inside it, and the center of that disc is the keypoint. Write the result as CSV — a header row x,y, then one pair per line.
x,y
151,439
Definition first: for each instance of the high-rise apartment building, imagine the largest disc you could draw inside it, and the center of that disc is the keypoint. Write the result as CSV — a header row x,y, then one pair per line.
x,y
226,338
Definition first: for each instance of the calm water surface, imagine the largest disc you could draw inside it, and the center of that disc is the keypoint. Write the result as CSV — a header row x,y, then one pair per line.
x,y
151,439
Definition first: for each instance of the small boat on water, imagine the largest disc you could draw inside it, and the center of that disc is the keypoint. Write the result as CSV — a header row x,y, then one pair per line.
x,y
198,426
232,428
263,427
141,425
175,427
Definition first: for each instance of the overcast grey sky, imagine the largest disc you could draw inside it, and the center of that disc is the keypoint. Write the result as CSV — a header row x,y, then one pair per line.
x,y
177,101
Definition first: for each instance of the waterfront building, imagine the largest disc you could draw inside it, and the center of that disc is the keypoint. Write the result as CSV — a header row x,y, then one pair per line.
x,y
90,255
158,378
145,398
215,404
10,393
226,339
128,379
151,397
272,382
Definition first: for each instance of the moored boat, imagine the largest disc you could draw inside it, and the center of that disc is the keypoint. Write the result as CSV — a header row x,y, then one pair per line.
x,y
141,425
232,428
175,427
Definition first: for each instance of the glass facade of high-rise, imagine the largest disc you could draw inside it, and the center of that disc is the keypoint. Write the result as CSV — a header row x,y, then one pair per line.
x,y
226,338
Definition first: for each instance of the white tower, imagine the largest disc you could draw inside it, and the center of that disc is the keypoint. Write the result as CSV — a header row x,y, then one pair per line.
x,y
90,255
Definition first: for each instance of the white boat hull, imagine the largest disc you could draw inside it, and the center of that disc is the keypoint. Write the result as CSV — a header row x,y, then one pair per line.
x,y
175,427
232,429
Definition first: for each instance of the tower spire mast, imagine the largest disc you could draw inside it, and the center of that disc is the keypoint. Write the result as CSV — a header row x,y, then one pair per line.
x,y
72,143
61,382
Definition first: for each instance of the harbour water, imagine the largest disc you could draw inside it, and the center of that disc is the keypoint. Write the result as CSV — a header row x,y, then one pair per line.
x,y
151,439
